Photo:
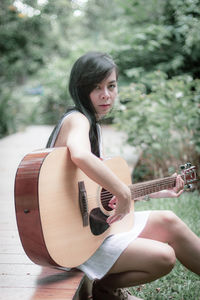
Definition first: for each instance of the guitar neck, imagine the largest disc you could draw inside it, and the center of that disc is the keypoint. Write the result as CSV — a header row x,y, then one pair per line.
x,y
152,186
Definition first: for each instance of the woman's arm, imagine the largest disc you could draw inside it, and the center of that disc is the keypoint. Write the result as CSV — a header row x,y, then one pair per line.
x,y
75,135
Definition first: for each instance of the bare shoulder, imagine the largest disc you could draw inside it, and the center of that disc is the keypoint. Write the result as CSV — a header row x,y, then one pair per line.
x,y
74,124
76,119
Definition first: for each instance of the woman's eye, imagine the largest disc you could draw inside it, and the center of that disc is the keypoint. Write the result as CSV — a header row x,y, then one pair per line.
x,y
112,86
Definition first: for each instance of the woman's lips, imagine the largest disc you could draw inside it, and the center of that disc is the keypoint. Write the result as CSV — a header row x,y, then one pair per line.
x,y
104,105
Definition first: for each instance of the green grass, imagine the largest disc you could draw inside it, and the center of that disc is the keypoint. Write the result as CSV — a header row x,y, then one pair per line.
x,y
180,284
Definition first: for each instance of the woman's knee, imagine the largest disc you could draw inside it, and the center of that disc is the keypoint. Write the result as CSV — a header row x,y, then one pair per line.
x,y
162,259
165,219
169,217
170,221
162,226
166,258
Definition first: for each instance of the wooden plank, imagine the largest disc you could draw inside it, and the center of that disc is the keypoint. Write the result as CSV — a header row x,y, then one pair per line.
x,y
44,284
16,294
11,248
22,269
9,234
61,281
35,294
7,226
10,239
14,258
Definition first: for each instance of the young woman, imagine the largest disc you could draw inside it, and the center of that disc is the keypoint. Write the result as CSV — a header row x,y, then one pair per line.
x,y
150,249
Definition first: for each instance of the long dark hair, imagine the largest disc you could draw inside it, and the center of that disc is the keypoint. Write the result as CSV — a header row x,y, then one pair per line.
x,y
88,71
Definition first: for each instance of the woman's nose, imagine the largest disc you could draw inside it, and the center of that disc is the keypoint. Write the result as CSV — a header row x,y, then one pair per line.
x,y
105,94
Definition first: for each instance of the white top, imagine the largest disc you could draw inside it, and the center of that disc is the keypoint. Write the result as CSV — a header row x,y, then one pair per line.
x,y
112,247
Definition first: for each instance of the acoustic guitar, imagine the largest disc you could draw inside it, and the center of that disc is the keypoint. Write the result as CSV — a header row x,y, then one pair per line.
x,y
61,213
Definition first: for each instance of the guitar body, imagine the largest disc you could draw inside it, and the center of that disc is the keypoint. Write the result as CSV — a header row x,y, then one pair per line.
x,y
49,217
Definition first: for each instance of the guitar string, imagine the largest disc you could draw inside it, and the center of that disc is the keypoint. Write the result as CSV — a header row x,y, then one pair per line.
x,y
141,188
107,196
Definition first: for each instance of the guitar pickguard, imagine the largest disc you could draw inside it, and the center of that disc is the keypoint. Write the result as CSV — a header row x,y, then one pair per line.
x,y
98,224
98,215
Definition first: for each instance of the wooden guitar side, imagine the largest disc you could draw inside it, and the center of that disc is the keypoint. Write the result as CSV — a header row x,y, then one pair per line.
x,y
48,212
27,209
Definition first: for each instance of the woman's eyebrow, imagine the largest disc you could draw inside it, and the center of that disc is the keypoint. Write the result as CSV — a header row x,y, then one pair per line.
x,y
112,81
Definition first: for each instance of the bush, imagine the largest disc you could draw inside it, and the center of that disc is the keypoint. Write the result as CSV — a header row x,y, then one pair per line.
x,y
161,116
9,108
55,99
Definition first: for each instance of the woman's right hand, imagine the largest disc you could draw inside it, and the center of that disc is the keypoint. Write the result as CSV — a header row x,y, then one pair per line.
x,y
121,206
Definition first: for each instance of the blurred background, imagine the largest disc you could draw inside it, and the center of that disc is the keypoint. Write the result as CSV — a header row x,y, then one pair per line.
x,y
156,45
155,122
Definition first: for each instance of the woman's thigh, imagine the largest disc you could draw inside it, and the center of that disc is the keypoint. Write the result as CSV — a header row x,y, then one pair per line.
x,y
163,226
145,255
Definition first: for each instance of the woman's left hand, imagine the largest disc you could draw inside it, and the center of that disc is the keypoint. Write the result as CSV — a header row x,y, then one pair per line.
x,y
171,193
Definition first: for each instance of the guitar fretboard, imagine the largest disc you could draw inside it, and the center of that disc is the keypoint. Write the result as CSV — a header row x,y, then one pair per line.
x,y
152,186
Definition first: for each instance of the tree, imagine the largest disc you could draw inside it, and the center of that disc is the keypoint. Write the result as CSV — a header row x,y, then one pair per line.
x,y
167,40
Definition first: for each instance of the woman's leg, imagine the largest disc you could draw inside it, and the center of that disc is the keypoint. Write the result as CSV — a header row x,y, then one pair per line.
x,y
153,254
166,227
144,260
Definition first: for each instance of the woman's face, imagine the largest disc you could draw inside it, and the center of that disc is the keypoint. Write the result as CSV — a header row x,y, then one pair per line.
x,y
104,94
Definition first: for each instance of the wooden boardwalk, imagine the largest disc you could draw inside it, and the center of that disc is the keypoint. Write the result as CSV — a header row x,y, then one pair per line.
x,y
20,279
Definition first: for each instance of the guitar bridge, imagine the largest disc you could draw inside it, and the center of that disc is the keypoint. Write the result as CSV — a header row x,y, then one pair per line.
x,y
83,203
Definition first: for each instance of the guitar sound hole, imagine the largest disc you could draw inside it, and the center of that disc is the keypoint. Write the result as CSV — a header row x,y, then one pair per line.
x,y
105,197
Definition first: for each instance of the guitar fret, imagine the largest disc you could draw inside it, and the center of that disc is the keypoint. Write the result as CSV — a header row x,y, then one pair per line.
x,y
149,187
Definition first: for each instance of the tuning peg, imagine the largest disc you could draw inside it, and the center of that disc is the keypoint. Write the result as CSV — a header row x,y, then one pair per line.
x,y
188,165
182,167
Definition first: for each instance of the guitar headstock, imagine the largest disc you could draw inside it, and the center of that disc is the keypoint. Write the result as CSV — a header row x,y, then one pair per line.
x,y
189,173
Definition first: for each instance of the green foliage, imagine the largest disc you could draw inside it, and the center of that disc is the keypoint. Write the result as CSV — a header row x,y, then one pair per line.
x,y
29,43
185,22
165,37
9,112
22,41
56,99
146,49
162,116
